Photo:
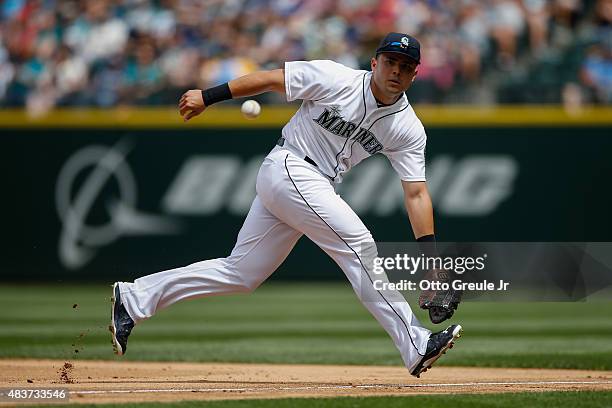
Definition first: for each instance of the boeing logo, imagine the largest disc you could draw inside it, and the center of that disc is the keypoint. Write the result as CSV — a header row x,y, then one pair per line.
x,y
206,185
79,241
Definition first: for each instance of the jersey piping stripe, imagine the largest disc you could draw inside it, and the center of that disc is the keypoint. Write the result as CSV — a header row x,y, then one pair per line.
x,y
365,110
370,127
357,255
387,106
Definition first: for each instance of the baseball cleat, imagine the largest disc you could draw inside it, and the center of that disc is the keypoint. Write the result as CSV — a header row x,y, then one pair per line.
x,y
121,323
437,345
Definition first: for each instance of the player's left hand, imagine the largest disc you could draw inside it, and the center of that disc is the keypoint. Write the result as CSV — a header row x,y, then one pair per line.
x,y
440,303
191,104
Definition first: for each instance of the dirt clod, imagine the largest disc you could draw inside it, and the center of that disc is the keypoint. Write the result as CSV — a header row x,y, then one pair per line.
x,y
65,373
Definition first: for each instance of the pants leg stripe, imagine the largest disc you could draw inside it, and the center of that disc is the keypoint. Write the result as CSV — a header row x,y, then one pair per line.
x,y
357,255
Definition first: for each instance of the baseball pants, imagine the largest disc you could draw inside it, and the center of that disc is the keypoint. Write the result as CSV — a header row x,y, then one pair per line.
x,y
293,199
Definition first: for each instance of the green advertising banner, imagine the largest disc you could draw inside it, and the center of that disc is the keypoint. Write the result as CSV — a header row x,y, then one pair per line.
x,y
108,204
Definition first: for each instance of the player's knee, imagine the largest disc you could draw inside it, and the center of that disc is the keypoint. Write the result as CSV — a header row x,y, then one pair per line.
x,y
248,286
364,247
242,277
358,237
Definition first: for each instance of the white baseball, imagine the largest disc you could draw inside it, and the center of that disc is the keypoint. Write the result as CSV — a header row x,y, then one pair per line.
x,y
250,109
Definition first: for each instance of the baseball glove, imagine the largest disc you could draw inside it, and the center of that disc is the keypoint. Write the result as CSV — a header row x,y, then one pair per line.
x,y
441,304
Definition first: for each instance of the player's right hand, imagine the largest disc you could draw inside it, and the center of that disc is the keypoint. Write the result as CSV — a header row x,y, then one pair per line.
x,y
191,104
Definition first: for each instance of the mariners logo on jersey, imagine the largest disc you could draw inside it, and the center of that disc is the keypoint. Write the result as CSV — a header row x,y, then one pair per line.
x,y
339,123
331,120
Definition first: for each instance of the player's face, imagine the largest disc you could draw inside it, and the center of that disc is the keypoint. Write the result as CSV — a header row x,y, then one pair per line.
x,y
393,73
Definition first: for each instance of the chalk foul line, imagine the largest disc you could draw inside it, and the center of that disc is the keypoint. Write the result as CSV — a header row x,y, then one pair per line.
x,y
337,387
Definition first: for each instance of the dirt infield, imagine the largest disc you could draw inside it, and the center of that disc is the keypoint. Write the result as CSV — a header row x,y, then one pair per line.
x,y
125,381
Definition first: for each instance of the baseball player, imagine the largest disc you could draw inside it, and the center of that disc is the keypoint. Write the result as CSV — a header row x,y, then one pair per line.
x,y
346,116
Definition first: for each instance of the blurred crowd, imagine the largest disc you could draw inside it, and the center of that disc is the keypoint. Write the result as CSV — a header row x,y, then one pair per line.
x,y
147,52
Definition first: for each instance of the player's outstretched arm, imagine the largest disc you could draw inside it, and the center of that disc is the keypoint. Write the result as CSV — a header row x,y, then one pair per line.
x,y
257,83
194,101
419,207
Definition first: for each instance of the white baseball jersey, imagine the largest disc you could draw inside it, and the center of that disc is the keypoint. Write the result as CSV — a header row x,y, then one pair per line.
x,y
339,123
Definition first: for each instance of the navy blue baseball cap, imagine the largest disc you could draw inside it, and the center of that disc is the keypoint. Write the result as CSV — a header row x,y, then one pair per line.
x,y
401,44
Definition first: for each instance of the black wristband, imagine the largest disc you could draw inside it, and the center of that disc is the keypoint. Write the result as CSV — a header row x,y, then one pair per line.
x,y
427,238
216,94
427,245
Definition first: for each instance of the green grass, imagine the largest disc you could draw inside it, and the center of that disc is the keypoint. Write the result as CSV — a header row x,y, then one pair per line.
x,y
297,323
533,399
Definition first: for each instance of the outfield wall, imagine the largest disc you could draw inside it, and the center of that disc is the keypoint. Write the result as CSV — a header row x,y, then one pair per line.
x,y
101,195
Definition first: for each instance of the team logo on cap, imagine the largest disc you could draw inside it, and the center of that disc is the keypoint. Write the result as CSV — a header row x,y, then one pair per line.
x,y
405,41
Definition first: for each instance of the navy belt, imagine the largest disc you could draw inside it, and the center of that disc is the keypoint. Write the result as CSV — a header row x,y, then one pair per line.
x,y
281,142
